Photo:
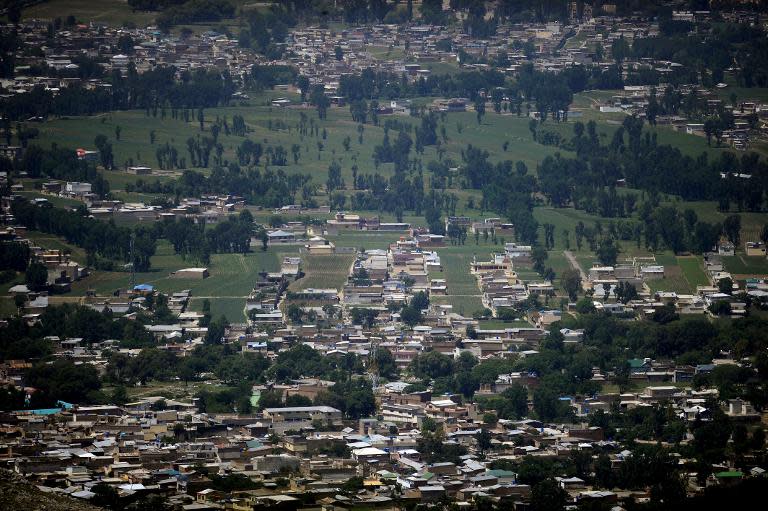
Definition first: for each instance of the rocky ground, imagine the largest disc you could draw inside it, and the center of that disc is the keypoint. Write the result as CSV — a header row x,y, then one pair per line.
x,y
18,494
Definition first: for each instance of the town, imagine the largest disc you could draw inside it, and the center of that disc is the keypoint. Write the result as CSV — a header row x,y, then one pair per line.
x,y
386,255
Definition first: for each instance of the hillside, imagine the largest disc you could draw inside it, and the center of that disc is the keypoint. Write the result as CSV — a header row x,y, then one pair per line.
x,y
18,493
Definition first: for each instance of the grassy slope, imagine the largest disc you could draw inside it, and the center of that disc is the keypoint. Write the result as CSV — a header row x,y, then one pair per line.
x,y
135,125
114,12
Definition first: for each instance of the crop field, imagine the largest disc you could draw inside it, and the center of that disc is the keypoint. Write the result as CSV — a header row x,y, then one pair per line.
x,y
114,12
672,281
52,242
232,308
232,275
693,271
59,202
497,324
324,271
743,265
365,240
463,292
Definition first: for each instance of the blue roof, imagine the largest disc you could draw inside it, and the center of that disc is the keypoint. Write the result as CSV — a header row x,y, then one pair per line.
x,y
144,287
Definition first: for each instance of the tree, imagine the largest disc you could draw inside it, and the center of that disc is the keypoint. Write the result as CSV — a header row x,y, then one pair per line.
x,y
105,496
320,100
548,496
547,405
410,315
570,280
725,286
432,364
297,400
105,151
338,53
36,276
608,251
539,255
620,50
732,228
119,395
271,399
480,109
483,438
216,330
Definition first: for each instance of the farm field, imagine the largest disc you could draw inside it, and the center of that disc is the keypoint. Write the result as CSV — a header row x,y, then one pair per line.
x,y
463,292
323,271
497,324
114,12
52,242
743,265
232,308
693,271
59,202
232,278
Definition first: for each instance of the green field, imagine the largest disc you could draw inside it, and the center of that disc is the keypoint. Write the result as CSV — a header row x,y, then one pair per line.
x,y
134,144
324,271
114,12
497,324
693,271
743,265
751,222
51,242
59,202
232,308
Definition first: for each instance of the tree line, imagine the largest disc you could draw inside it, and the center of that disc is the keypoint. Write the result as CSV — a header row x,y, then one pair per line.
x,y
151,90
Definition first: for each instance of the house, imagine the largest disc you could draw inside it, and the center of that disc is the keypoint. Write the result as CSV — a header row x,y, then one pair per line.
x,y
140,170
191,273
320,246
77,189
726,248
303,414
754,248
281,236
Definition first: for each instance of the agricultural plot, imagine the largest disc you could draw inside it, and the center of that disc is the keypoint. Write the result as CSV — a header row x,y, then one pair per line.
x,y
232,275
324,272
693,271
231,308
497,324
51,242
114,12
673,281
59,202
463,292
743,265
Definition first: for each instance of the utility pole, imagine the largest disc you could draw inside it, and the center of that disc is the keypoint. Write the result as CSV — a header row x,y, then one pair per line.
x,y
373,365
132,279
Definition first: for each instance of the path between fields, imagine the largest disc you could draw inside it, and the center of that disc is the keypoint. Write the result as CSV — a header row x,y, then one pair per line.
x,y
195,297
575,264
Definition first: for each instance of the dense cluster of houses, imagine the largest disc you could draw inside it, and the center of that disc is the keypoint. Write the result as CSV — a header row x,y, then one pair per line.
x,y
99,41
302,456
